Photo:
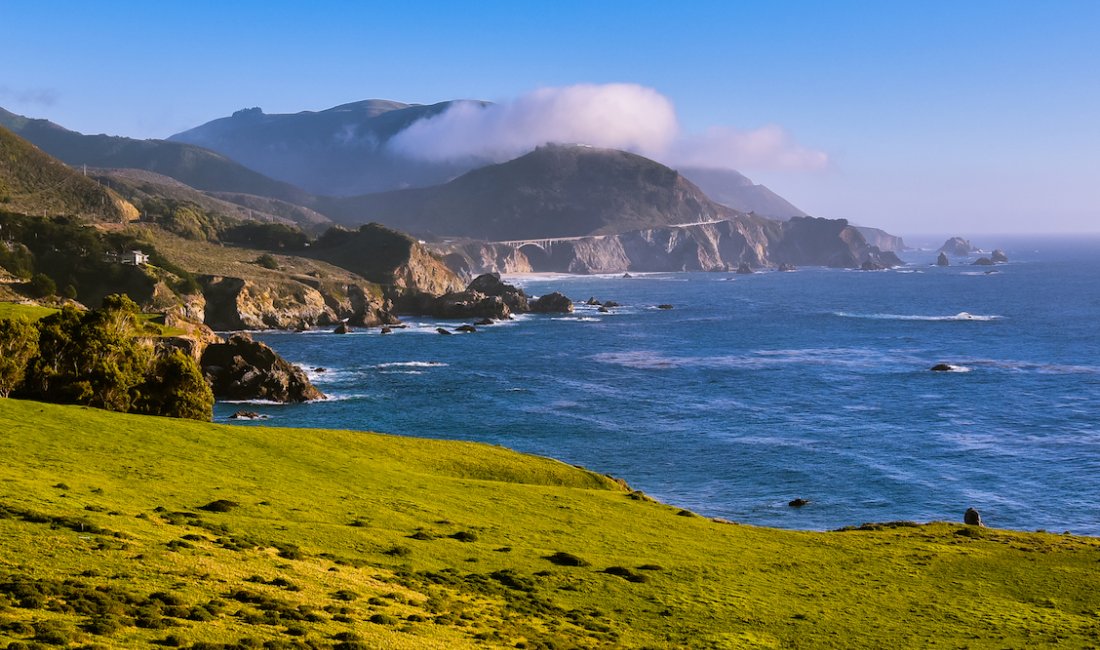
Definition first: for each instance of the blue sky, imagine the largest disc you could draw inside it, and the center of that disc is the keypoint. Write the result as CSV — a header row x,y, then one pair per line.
x,y
935,117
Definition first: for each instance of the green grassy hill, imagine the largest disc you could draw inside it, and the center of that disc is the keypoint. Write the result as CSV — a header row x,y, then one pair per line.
x,y
124,531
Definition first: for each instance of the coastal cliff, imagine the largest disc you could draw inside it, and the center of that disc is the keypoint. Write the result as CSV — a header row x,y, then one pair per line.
x,y
714,246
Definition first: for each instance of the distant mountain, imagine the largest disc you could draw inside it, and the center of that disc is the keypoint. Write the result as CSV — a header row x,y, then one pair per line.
x,y
340,151
554,191
33,183
734,190
197,167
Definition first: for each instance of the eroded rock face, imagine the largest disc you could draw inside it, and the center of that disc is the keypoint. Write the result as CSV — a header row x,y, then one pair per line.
x,y
490,284
243,369
713,246
238,304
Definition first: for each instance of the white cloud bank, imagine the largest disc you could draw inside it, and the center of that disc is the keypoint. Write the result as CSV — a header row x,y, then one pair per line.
x,y
616,116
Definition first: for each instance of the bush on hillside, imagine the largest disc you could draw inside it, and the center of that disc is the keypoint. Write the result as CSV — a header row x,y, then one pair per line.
x,y
41,285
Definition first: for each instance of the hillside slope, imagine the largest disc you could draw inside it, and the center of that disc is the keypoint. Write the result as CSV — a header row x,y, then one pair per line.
x,y
126,531
32,182
340,151
554,191
732,189
197,167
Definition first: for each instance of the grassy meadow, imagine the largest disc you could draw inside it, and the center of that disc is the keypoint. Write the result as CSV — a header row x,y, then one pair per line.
x,y
126,531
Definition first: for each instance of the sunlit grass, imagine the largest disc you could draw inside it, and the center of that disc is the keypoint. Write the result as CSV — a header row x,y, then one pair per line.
x,y
453,544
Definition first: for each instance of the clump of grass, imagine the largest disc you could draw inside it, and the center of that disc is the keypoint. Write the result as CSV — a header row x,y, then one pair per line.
x,y
561,558
625,574
220,505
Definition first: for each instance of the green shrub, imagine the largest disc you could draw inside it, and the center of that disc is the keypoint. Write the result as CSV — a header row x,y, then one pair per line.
x,y
41,285
18,346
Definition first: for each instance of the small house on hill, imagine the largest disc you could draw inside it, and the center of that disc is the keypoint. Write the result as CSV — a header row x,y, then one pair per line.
x,y
134,258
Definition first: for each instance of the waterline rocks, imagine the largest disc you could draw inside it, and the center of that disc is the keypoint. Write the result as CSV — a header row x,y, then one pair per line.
x,y
942,260
998,256
243,369
552,303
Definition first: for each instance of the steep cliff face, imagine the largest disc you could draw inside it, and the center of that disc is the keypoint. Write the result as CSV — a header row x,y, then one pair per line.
x,y
716,246
235,304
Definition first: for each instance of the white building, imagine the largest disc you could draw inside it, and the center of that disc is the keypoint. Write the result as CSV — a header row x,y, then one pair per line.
x,y
134,258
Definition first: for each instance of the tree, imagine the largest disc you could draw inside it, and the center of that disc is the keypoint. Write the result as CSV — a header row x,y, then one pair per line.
x,y
18,347
42,285
176,388
92,358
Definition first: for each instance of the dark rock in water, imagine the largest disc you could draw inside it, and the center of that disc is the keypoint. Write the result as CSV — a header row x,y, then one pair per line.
x,y
999,256
320,370
797,503
342,328
603,310
786,267
611,303
484,321
744,269
872,265
942,260
983,261
664,306
385,330
490,284
243,369
247,415
592,302
627,275
469,329
942,367
972,518
443,331
552,303
957,246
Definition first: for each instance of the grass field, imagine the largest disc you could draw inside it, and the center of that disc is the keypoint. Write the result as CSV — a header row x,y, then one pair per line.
x,y
19,310
123,531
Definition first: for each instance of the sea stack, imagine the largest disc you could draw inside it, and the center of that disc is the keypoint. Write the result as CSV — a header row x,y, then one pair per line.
x,y
942,260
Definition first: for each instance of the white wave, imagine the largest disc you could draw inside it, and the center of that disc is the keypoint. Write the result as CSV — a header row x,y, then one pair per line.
x,y
759,359
260,402
961,316
579,319
955,368
411,364
402,372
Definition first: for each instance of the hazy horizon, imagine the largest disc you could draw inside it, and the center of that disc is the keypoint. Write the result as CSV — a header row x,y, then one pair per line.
x,y
914,118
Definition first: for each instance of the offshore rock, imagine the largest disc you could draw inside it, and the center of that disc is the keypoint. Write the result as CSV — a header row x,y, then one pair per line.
x,y
957,246
490,284
243,369
552,303
744,269
983,261
942,260
999,256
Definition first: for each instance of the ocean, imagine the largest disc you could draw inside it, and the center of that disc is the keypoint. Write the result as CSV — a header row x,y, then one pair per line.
x,y
758,389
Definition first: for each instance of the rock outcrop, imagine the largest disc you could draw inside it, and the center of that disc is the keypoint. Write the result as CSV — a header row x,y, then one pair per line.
x,y
552,303
982,261
243,369
942,260
972,517
713,246
957,247
999,256
299,303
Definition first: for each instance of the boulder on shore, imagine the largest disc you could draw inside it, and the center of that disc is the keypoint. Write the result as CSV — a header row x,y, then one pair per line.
x,y
243,369
972,518
552,303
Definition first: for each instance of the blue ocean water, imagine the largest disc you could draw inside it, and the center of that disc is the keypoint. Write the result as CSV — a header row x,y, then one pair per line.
x,y
758,389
